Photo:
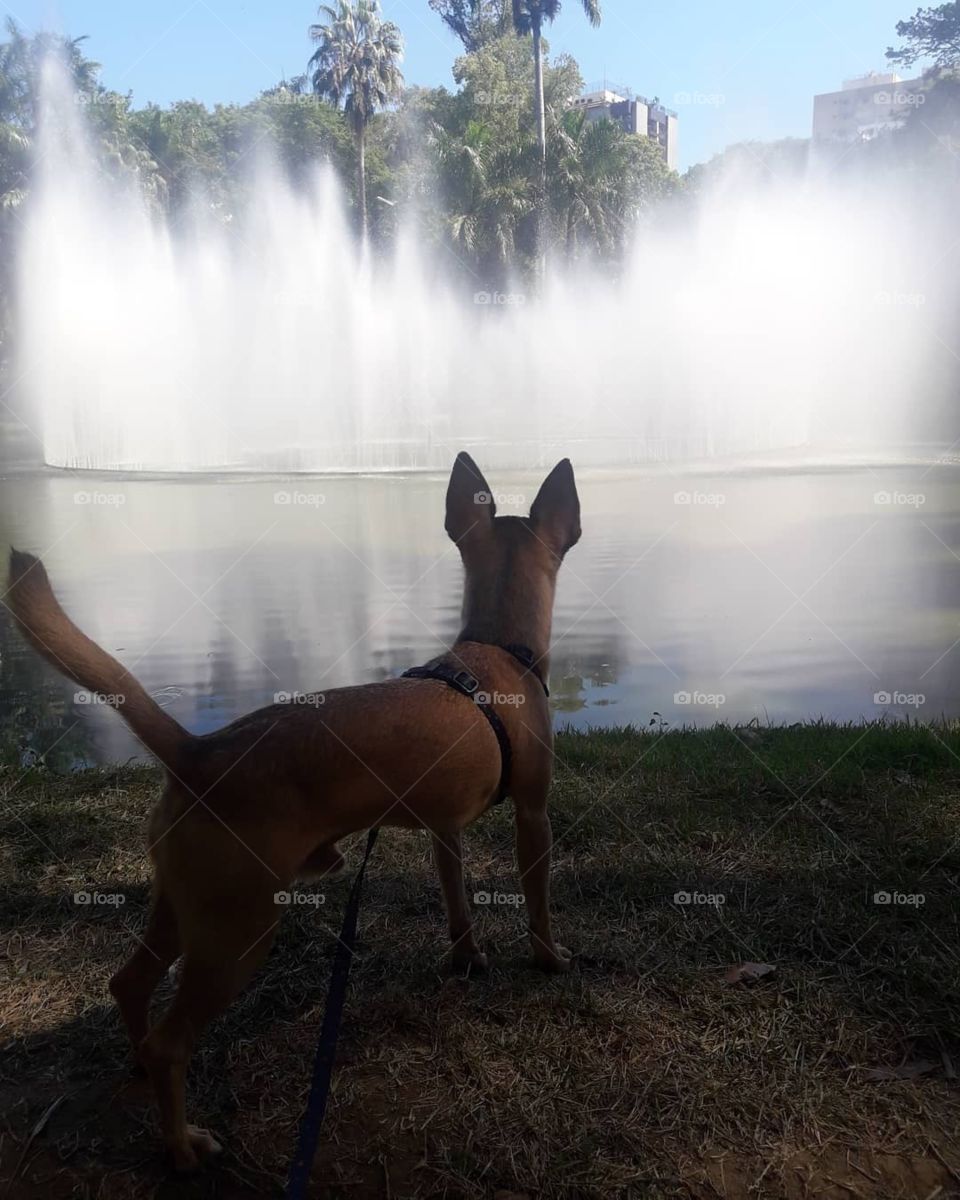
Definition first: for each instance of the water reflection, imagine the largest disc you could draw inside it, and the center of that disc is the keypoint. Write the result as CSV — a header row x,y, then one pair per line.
x,y
779,596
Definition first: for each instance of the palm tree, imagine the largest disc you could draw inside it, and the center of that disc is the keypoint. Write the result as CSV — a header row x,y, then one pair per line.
x,y
356,64
21,66
600,179
529,16
485,189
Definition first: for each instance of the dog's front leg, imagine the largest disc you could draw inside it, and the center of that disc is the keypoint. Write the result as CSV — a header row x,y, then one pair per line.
x,y
534,842
448,852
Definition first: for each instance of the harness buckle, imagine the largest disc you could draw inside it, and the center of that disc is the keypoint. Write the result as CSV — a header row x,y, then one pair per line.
x,y
466,682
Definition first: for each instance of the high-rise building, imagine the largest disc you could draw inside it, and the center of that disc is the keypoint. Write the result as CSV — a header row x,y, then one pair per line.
x,y
864,107
635,114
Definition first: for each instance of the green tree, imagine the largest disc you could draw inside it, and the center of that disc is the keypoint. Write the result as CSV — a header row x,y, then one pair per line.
x,y
529,17
475,22
184,140
486,194
356,65
600,180
303,129
488,160
752,165
932,33
22,62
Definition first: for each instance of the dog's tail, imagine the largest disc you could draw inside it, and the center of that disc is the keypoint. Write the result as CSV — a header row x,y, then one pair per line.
x,y
53,635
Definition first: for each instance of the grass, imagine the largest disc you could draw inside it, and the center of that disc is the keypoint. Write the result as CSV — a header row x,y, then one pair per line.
x,y
642,1073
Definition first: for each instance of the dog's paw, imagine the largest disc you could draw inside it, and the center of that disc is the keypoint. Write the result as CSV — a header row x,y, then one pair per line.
x,y
469,962
556,961
199,1144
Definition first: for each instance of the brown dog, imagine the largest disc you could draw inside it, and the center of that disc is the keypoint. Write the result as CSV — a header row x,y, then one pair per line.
x,y
250,808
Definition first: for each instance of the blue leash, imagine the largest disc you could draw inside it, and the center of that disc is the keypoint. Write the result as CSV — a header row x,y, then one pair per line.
x,y
309,1134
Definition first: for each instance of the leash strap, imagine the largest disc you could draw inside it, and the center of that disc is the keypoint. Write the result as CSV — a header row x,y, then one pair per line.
x,y
309,1134
468,685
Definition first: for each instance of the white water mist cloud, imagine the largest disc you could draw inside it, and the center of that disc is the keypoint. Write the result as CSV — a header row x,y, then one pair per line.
x,y
791,316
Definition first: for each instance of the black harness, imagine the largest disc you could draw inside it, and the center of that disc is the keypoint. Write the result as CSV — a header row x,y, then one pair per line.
x,y
469,685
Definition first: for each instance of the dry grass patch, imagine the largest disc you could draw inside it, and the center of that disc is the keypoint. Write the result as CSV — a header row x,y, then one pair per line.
x,y
642,1073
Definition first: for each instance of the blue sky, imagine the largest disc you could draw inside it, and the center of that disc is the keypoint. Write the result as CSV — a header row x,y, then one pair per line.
x,y
750,68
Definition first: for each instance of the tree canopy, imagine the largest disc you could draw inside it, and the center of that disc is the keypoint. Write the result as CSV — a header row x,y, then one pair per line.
x,y
931,33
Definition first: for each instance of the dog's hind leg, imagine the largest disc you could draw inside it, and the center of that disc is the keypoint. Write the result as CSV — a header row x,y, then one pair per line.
x,y
135,982
534,843
221,952
448,853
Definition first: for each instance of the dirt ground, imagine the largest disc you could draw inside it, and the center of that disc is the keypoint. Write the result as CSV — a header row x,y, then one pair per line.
x,y
642,1073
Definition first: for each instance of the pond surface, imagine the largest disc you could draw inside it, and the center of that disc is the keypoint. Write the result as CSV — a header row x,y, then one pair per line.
x,y
778,595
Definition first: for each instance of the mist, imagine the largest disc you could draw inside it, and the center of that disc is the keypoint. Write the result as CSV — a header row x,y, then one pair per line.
x,y
792,317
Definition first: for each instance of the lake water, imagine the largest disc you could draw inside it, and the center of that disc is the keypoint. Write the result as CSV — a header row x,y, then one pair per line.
x,y
778,594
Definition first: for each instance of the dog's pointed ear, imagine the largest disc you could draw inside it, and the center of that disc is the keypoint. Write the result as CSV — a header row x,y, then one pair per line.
x,y
555,514
470,506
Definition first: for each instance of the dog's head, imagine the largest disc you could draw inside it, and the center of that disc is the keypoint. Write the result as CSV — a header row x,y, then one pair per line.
x,y
511,555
